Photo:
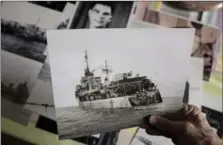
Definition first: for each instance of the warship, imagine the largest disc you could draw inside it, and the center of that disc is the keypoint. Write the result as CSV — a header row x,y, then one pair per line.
x,y
139,90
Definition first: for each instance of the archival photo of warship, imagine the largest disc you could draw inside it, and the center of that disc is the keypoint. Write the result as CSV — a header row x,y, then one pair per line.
x,y
123,90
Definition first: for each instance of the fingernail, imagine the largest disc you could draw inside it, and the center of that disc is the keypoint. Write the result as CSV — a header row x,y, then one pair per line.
x,y
153,120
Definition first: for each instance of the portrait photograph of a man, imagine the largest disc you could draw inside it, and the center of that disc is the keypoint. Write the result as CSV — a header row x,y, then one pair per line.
x,y
102,14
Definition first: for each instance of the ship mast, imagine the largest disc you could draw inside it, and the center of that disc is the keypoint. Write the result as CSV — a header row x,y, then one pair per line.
x,y
106,70
87,70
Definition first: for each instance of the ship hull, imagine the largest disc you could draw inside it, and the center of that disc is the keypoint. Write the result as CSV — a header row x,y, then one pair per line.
x,y
135,100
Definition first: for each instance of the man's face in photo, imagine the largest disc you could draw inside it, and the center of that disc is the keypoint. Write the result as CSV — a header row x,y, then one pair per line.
x,y
100,16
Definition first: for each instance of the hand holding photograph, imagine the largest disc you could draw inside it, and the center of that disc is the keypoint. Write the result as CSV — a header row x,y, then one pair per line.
x,y
194,98
117,77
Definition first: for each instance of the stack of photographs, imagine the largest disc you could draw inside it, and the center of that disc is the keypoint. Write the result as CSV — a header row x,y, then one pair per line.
x,y
31,63
23,54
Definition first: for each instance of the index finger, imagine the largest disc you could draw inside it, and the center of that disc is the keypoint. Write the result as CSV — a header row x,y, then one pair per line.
x,y
184,113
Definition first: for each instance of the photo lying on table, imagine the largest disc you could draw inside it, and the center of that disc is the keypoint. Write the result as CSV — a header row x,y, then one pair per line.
x,y
41,98
23,53
206,42
117,77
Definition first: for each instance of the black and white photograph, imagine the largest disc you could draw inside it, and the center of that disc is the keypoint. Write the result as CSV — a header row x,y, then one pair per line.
x,y
93,80
102,14
101,89
41,98
26,40
45,74
206,43
16,86
24,52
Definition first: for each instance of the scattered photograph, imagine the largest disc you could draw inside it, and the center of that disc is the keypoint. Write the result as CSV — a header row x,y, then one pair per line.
x,y
23,55
206,42
17,85
41,99
102,14
23,39
92,80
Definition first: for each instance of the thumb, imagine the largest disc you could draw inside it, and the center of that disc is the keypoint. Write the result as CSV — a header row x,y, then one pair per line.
x,y
164,124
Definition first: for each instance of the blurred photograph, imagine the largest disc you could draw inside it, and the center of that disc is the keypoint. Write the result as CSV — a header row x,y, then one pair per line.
x,y
102,14
41,98
23,39
23,54
206,42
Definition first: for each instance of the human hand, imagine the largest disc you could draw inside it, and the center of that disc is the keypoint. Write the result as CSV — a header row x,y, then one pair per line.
x,y
186,127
